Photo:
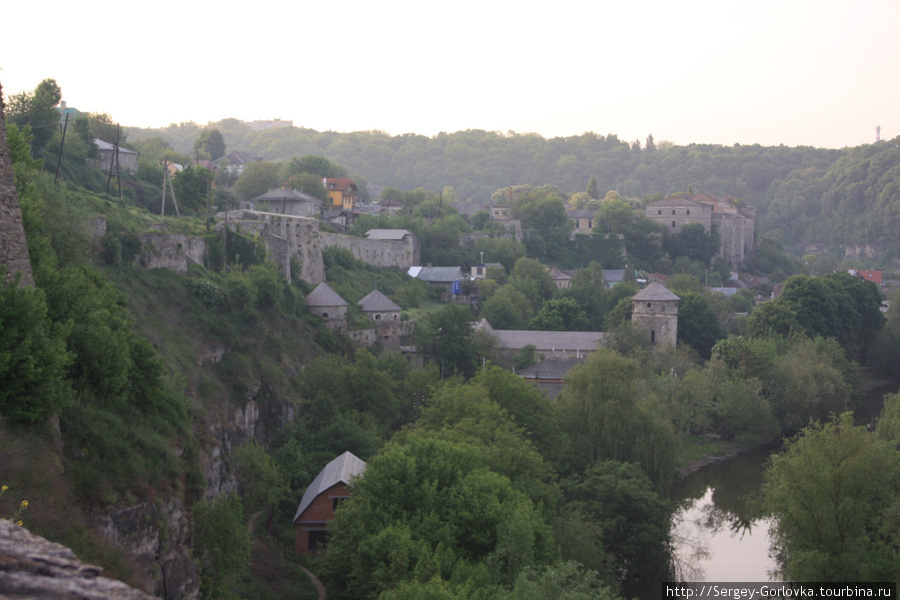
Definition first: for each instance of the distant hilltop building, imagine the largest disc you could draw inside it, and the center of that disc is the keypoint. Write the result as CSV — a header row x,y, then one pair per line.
x,y
270,124
735,223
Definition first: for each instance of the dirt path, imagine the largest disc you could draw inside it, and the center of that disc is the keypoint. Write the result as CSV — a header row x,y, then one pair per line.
x,y
320,589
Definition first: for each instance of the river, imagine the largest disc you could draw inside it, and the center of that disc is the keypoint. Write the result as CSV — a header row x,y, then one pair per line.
x,y
714,537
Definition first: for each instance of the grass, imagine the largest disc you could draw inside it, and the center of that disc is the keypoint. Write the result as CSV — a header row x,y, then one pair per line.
x,y
698,448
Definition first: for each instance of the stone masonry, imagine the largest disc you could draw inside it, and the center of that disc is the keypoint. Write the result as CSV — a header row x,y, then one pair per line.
x,y
13,248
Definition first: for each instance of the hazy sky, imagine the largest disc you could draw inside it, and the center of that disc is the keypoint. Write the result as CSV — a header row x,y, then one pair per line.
x,y
795,72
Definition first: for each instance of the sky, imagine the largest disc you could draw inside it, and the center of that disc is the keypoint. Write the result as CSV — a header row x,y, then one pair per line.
x,y
820,73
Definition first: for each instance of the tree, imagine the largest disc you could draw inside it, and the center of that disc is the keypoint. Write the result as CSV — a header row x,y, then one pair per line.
x,y
222,543
650,146
531,278
698,325
633,519
257,179
432,509
104,128
210,144
830,492
191,187
603,418
446,336
694,242
592,189
37,109
562,314
33,356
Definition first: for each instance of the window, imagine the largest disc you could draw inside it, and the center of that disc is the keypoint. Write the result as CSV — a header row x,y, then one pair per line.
x,y
659,212
652,336
325,314
317,539
673,212
688,211
335,502
377,317
673,224
648,305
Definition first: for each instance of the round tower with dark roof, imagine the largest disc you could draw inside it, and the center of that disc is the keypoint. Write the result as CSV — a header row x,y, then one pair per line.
x,y
655,310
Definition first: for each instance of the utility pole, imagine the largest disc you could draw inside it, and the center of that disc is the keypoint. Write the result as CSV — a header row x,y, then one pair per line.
x,y
162,210
118,177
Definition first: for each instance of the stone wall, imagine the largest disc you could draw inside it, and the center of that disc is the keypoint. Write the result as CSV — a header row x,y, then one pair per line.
x,y
386,335
290,237
286,237
378,253
173,251
13,248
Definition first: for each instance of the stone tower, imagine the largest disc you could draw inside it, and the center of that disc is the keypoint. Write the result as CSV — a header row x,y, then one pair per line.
x,y
655,310
13,249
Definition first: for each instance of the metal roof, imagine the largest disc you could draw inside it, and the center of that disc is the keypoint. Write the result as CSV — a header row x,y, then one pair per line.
x,y
544,341
439,274
387,234
341,470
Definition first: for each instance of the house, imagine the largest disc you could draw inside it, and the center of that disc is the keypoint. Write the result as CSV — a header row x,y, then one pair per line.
x,y
582,221
480,271
379,307
109,153
612,276
550,375
547,344
342,191
562,279
321,498
326,303
284,201
873,276
734,222
448,278
234,162
340,219
389,207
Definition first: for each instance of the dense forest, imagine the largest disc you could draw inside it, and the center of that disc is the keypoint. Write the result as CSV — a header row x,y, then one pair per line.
x,y
124,387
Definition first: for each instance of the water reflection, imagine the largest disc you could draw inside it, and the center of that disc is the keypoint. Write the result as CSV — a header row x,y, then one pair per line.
x,y
712,544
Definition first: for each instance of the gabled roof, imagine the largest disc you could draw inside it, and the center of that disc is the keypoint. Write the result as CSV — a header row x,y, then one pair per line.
x,y
389,203
375,301
237,158
613,275
675,201
343,184
557,274
387,234
544,341
439,274
340,470
107,147
280,194
323,295
655,292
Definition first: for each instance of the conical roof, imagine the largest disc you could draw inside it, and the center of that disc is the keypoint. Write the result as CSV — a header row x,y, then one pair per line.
x,y
375,301
323,295
655,292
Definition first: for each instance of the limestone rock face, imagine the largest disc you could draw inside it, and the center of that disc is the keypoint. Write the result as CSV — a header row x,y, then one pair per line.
x,y
32,567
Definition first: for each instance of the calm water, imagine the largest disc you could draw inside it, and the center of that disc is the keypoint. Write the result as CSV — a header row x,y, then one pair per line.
x,y
715,537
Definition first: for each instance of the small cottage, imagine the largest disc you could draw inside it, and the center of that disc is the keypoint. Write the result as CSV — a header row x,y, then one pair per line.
x,y
321,498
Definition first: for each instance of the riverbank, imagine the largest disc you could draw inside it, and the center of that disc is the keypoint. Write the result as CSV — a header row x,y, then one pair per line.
x,y
700,451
